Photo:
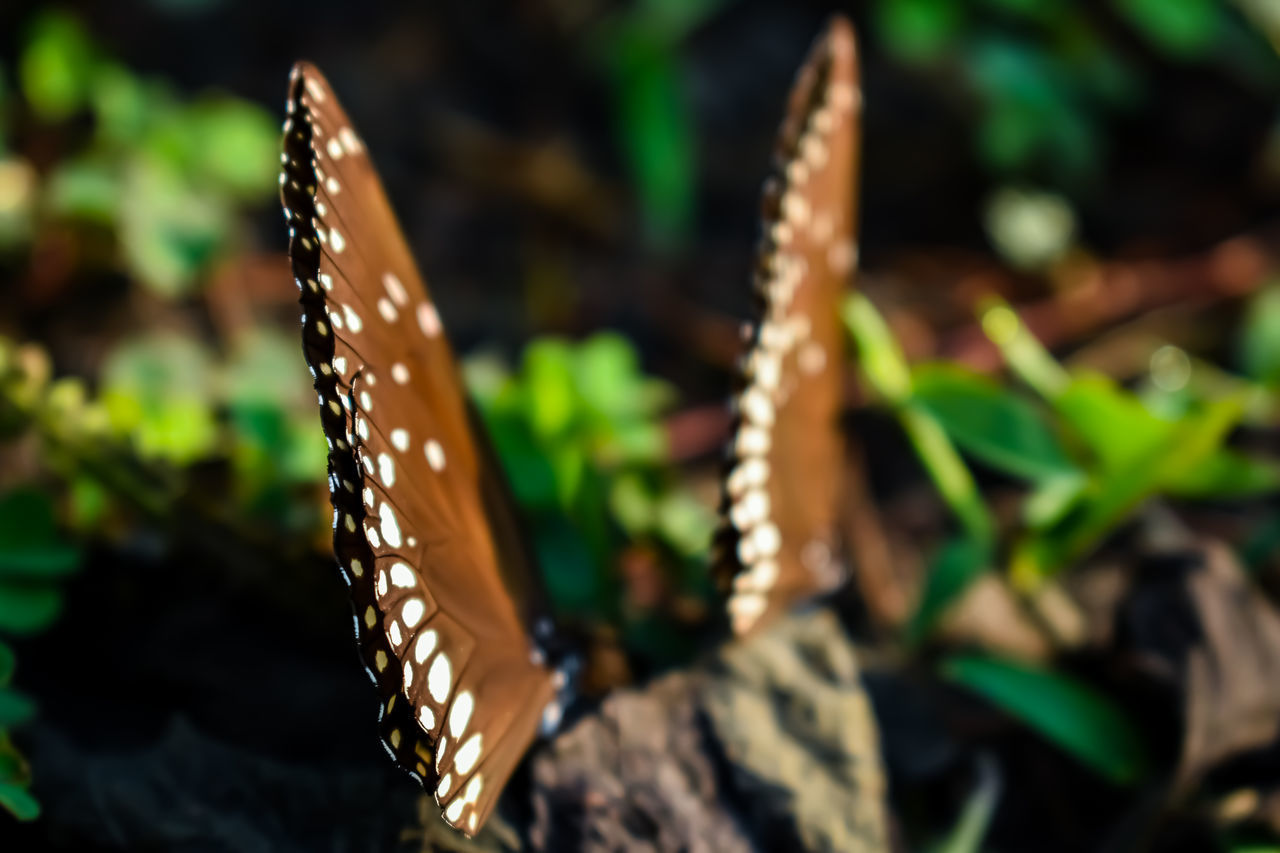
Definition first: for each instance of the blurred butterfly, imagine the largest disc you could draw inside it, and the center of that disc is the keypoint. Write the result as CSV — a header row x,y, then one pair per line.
x,y
449,613
781,498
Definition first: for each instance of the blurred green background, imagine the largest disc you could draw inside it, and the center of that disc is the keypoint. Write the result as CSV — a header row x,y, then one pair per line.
x,y
1069,313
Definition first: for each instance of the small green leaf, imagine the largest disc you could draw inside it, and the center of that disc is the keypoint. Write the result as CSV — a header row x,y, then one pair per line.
x,y
171,230
880,356
158,391
547,372
632,505
656,131
1260,337
85,189
686,523
15,709
124,104
979,809
30,546
1226,474
1183,29
1112,422
1053,498
607,370
997,426
238,146
1139,455
19,802
26,609
956,564
1068,712
56,66
918,30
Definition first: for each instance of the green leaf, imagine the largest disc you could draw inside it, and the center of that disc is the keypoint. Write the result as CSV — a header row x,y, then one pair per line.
x,y
975,818
880,357
1111,422
158,391
26,609
1184,29
1067,712
1053,498
56,66
1025,355
607,371
958,563
19,802
1226,474
1139,455
123,104
997,426
918,30
686,523
238,146
885,367
656,132
85,189
633,505
171,230
1260,337
15,709
547,373
30,546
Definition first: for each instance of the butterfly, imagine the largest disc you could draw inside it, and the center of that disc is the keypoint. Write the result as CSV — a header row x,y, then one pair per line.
x,y
450,617
778,540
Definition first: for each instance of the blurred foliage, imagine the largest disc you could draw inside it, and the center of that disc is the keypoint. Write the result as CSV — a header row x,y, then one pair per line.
x,y
579,433
975,818
1066,711
164,176
1047,75
1090,453
182,428
155,185
640,49
1041,84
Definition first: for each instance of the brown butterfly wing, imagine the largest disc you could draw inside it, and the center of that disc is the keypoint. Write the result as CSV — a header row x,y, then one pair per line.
x,y
443,596
782,493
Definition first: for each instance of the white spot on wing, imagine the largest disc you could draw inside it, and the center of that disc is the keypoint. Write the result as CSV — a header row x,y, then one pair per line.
x,y
395,289
428,319
402,576
354,323
386,469
390,527
460,713
425,646
349,140
440,678
412,612
435,455
400,438
468,754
